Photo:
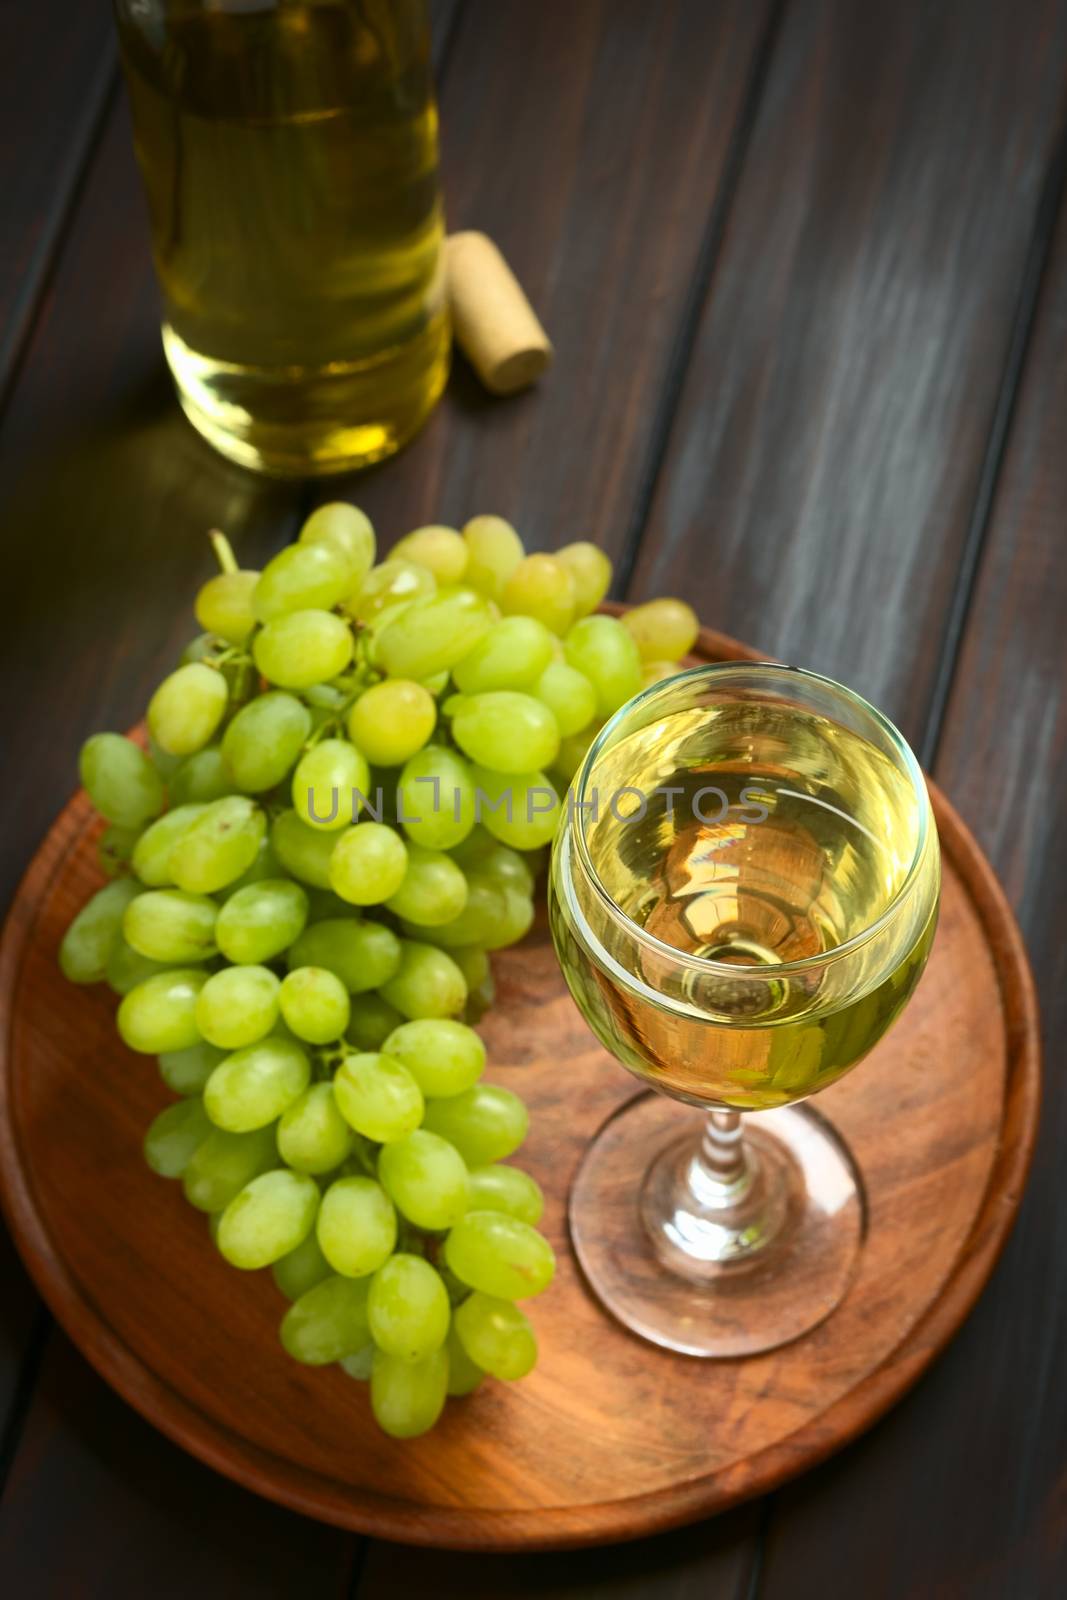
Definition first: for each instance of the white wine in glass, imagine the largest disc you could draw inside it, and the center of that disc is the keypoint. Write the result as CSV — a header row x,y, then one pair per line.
x,y
744,895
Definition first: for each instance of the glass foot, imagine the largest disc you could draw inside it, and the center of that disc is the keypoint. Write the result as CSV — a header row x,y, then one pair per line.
x,y
708,1268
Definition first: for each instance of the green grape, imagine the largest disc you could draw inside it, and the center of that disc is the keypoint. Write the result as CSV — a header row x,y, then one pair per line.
x,y
497,1336
603,651
486,908
328,1322
323,904
170,925
435,684
264,740
572,752
368,864
426,1179
265,867
348,529
218,846
479,1000
485,1123
474,965
542,587
431,635
314,1004
200,648
160,1014
187,708
378,1097
115,849
407,1397
174,1137
387,585
302,1269
371,1022
521,810
151,853
328,782
166,765
663,630
509,1189
392,720
313,1136
94,935
440,550
201,778
254,1087
126,968
408,1308
499,1255
504,866
224,1163
269,1218
463,1375
516,922
224,605
444,1057
237,1006
507,731
302,648
302,577
261,920
187,1071
591,570
303,851
569,696
364,955
120,780
427,983
360,1365
512,655
494,550
356,1227
433,890
435,798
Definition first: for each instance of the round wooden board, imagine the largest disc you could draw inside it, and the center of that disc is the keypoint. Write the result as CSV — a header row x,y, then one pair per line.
x,y
610,1438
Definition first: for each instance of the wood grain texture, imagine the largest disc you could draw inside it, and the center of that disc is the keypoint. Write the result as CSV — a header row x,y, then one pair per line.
x,y
58,66
940,1121
589,141
823,464
973,1464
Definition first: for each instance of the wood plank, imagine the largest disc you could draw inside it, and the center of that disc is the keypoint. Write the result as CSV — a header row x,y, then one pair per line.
x,y
713,1561
106,494
59,64
815,494
590,141
99,1503
972,1466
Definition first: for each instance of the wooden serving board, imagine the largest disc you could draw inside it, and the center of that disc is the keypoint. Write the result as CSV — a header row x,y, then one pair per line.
x,y
610,1438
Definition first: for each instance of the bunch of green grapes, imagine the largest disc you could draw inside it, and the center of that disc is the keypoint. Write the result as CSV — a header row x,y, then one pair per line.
x,y
311,862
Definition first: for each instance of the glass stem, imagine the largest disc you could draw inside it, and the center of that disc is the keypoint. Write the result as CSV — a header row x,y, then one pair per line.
x,y
721,1161
711,1202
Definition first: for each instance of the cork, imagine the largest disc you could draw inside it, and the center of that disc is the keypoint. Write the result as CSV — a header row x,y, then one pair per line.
x,y
495,325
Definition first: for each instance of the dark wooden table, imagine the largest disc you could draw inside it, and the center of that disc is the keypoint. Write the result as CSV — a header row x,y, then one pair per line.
x,y
805,265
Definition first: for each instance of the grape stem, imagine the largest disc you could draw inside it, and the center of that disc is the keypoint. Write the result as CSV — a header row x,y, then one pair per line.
x,y
223,551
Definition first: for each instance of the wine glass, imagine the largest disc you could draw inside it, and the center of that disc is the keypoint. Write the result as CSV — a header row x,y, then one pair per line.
x,y
744,892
